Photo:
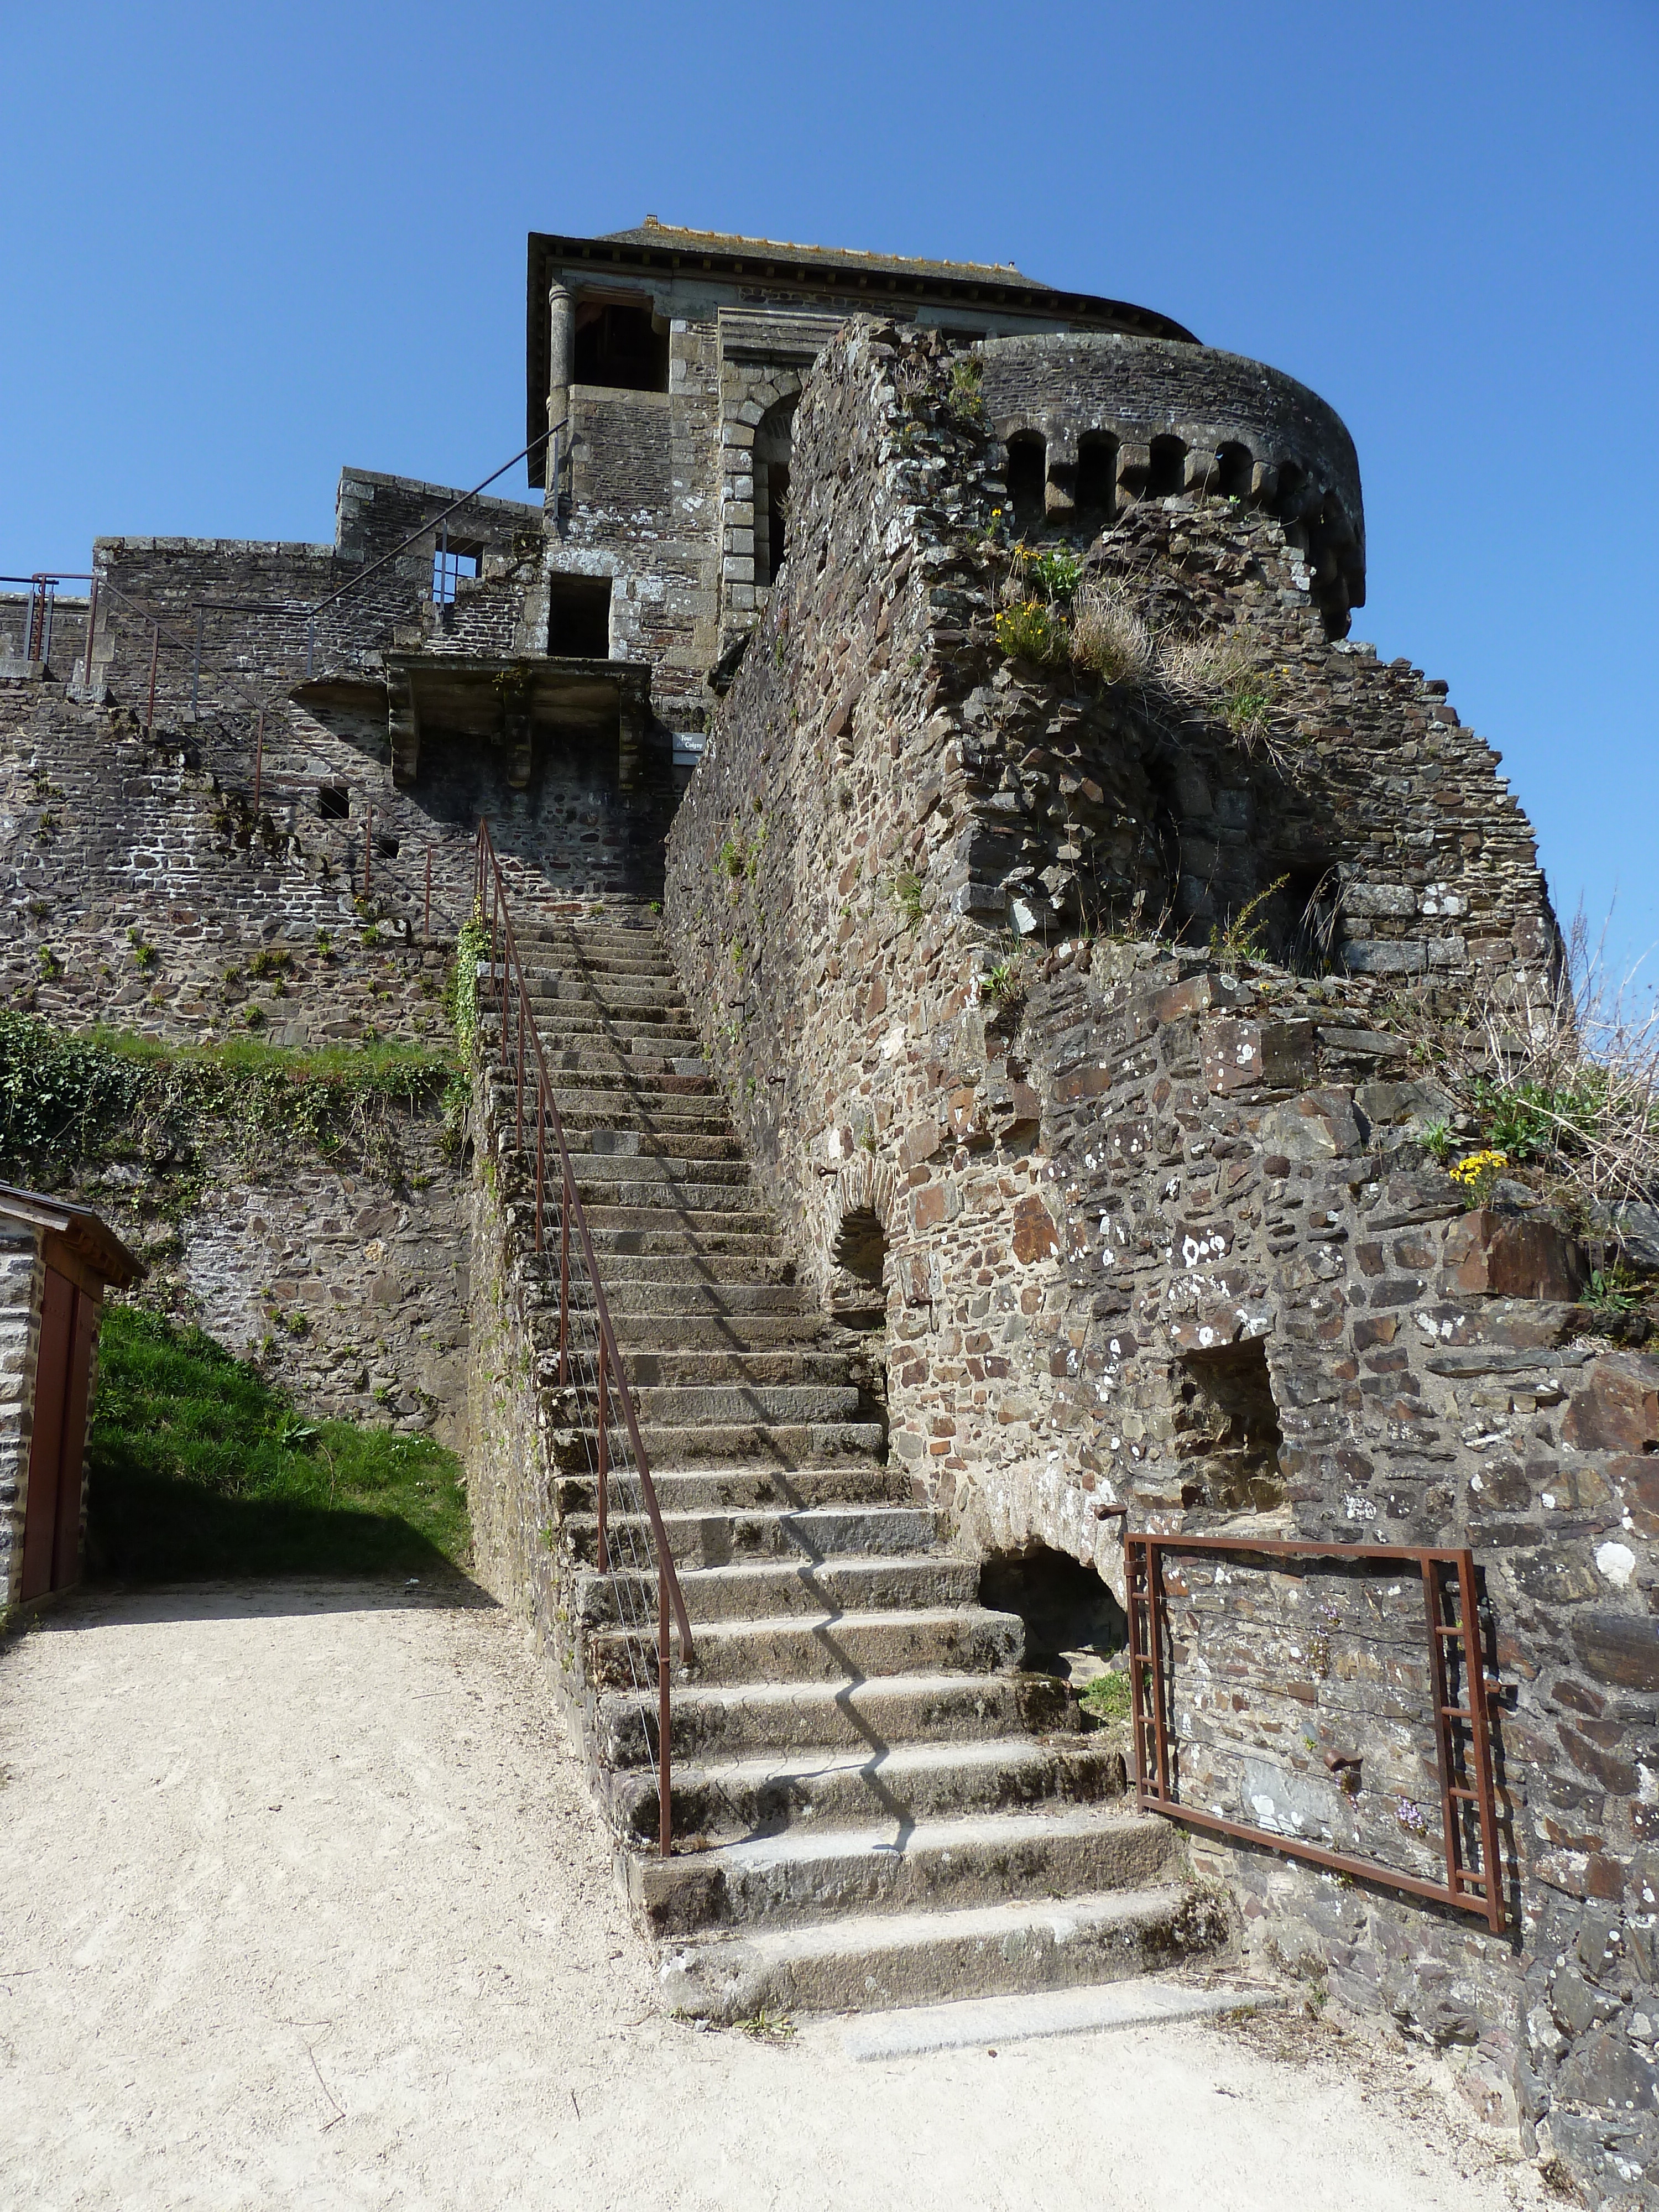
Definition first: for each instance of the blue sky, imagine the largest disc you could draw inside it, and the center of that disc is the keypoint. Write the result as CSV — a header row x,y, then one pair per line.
x,y
248,246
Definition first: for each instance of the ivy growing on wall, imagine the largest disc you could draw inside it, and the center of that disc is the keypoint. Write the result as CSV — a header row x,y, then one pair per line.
x,y
71,1102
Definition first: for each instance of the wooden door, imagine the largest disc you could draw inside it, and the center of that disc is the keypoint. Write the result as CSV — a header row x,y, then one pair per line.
x,y
51,1513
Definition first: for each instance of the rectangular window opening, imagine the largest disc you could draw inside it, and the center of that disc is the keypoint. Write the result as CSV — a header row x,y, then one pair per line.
x,y
451,560
579,618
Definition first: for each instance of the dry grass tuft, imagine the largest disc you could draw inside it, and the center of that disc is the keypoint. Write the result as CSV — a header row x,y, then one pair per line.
x,y
1108,638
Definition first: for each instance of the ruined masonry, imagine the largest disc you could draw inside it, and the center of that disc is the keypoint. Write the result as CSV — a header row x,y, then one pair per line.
x,y
1002,1092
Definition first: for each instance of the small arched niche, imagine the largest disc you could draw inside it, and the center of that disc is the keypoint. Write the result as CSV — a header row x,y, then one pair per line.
x,y
1028,465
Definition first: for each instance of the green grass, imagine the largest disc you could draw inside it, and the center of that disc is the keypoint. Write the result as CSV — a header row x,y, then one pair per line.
x,y
200,1469
1106,1698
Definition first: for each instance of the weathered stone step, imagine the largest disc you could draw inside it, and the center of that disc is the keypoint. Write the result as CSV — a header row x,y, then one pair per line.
x,y
873,1962
804,1875
677,1335
821,1647
773,1793
637,1143
777,1405
719,1539
708,1724
715,1488
706,1369
617,1230
774,1589
667,1283
777,1445
602,1171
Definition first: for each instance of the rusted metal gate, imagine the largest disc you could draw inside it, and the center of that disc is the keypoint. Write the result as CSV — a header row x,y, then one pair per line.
x,y
1460,1717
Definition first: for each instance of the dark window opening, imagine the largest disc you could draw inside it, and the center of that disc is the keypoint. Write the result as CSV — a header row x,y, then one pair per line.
x,y
617,347
1073,1622
1097,475
451,560
1235,467
579,618
1028,470
333,802
385,847
1292,491
774,445
1313,905
1167,468
1227,1429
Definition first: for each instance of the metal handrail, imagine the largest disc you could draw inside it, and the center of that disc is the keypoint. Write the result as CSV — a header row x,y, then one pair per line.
x,y
491,890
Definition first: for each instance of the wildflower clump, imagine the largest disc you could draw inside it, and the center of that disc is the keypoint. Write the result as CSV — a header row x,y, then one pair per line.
x,y
1031,630
1478,1175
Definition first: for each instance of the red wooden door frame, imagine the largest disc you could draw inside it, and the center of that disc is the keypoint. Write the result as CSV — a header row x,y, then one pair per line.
x,y
63,1375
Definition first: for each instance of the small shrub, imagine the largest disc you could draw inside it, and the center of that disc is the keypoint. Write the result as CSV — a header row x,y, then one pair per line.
x,y
1614,1289
907,897
1240,938
1437,1141
1031,630
1108,638
967,387
271,963
1056,572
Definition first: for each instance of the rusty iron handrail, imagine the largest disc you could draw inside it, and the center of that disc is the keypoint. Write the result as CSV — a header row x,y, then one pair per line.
x,y
1467,1888
525,1039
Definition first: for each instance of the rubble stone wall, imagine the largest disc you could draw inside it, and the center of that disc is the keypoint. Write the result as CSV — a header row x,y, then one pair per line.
x,y
21,1279
1157,1234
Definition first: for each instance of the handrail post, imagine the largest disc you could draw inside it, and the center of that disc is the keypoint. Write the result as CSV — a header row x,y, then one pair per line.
x,y
665,1801
605,1459
155,654
259,759
541,1154
311,640
523,1009
564,1279
92,624
196,668
368,846
426,927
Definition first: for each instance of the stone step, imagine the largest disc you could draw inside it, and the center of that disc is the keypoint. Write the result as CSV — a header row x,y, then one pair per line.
x,y
679,1334
749,1369
774,1590
777,1446
717,1488
779,1405
617,1230
805,1875
716,1723
709,1280
776,1793
820,1647
867,1962
720,1540
630,1142
615,1172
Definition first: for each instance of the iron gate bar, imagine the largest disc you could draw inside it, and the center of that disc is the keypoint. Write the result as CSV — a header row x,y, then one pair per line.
x,y
1143,1587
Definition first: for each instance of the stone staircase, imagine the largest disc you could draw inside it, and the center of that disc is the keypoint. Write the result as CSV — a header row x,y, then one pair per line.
x,y
873,1805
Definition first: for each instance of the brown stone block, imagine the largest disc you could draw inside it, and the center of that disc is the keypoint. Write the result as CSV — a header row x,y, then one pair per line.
x,y
1617,1410
1620,1648
1035,1236
1507,1255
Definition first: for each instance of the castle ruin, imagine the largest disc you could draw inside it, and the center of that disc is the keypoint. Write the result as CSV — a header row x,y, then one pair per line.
x,y
1001,1085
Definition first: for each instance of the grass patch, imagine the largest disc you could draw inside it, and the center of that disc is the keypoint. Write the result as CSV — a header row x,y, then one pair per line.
x,y
200,1469
1106,1698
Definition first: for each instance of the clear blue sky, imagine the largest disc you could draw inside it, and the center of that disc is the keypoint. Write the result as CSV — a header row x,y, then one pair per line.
x,y
246,245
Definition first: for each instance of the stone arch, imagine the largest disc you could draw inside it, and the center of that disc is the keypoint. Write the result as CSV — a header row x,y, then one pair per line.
x,y
773,449
859,1213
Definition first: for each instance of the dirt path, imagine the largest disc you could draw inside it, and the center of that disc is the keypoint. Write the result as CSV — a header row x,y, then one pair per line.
x,y
305,1906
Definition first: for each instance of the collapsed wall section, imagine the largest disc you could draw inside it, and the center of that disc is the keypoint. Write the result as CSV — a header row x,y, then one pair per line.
x,y
1160,1235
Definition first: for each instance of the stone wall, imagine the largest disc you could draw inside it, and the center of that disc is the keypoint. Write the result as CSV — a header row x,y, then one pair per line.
x,y
1158,1234
21,1277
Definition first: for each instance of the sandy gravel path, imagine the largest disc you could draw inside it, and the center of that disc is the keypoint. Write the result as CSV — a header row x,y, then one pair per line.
x,y
305,1906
